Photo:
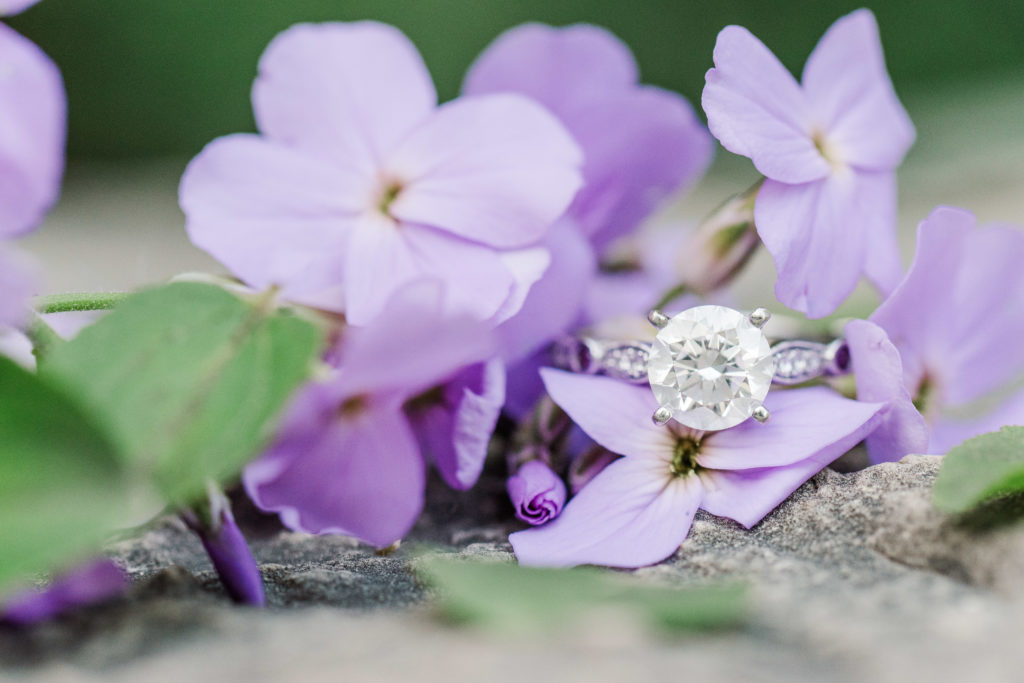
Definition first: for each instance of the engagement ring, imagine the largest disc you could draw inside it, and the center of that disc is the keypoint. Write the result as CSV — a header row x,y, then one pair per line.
x,y
710,367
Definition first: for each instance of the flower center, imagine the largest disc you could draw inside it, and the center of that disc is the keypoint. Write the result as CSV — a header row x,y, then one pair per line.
x,y
388,196
924,394
684,457
828,151
353,406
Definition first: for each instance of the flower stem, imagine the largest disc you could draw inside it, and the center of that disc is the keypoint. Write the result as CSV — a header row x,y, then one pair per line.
x,y
79,301
43,337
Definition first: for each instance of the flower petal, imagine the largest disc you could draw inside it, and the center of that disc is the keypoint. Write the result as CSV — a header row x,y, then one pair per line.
x,y
746,496
88,584
360,475
852,98
756,108
613,413
803,422
413,345
271,214
640,147
32,131
880,378
910,316
562,68
815,233
455,431
555,302
382,256
527,267
9,7
630,515
497,169
347,92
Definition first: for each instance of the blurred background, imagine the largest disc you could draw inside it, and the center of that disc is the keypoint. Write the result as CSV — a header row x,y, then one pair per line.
x,y
151,81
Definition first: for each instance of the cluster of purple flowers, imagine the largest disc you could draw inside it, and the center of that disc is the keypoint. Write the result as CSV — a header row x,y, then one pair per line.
x,y
452,244
510,200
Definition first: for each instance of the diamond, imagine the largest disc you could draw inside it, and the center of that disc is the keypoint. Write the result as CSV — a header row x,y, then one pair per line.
x,y
711,367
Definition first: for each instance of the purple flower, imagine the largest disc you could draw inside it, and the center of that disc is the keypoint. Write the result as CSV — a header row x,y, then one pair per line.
x,y
229,553
17,280
944,349
536,492
640,145
88,584
359,183
638,510
829,147
347,458
33,111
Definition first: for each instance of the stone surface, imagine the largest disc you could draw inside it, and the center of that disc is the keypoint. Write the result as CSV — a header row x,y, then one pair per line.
x,y
855,578
711,367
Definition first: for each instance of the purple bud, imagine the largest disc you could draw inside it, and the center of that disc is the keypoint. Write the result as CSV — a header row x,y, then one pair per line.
x,y
91,583
537,493
229,553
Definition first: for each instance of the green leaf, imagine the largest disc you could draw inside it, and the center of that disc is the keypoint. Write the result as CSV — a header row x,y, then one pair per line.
x,y
980,469
521,599
60,479
188,379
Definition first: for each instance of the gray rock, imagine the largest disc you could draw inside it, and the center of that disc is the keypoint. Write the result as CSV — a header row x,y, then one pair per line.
x,y
855,578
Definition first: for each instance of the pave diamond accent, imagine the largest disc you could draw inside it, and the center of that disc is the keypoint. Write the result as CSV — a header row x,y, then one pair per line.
x,y
711,367
798,361
627,362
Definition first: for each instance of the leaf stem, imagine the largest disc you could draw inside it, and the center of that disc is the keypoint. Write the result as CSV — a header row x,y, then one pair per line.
x,y
79,301
43,337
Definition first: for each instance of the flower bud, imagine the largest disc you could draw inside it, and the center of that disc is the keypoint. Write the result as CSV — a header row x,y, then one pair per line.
x,y
537,493
721,245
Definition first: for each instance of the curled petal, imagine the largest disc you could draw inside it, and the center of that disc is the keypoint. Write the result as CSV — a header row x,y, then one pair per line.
x,y
632,514
880,378
455,429
536,492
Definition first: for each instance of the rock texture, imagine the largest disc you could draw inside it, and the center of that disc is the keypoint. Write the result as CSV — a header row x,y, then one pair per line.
x,y
855,578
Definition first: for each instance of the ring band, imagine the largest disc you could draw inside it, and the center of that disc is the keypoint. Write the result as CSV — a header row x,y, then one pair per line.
x,y
712,365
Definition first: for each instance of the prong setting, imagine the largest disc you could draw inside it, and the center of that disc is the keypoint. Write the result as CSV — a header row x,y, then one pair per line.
x,y
657,318
761,414
661,416
759,317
